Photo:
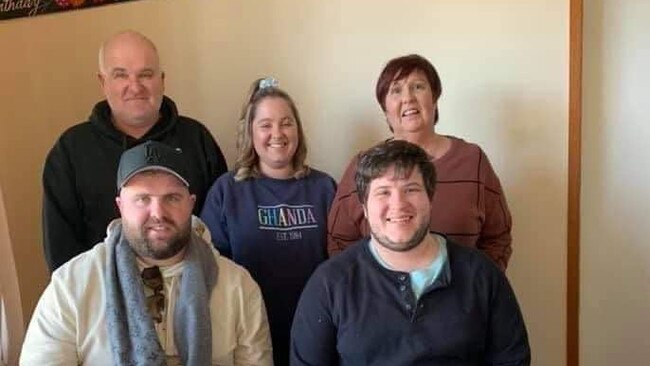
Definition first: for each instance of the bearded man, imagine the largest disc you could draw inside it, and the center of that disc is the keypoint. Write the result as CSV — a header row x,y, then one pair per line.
x,y
405,295
154,292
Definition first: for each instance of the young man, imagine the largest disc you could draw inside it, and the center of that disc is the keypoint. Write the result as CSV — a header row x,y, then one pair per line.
x,y
77,190
154,291
406,296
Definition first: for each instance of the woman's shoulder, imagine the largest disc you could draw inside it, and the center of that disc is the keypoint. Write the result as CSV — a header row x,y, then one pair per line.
x,y
228,176
461,145
223,183
322,179
316,174
469,156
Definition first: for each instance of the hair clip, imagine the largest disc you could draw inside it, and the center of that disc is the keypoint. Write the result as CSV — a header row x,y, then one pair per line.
x,y
268,82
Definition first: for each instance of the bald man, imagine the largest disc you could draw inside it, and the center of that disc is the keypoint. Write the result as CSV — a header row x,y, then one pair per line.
x,y
78,197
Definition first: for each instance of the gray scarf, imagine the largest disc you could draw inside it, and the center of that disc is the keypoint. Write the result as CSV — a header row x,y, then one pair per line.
x,y
130,328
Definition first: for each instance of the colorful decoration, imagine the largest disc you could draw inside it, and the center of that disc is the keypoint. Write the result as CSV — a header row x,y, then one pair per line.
x,y
28,8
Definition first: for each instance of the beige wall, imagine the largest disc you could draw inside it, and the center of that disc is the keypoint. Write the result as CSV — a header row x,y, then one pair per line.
x,y
11,314
504,66
615,255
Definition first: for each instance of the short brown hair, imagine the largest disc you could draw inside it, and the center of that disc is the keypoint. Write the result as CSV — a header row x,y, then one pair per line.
x,y
403,156
247,164
400,68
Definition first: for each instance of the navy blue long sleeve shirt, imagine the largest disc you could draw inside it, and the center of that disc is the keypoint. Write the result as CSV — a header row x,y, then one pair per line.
x,y
353,311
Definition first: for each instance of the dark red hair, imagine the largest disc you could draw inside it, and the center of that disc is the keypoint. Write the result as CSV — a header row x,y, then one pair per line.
x,y
400,68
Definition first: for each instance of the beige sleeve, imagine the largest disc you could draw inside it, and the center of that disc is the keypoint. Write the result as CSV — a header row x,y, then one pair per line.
x,y
51,335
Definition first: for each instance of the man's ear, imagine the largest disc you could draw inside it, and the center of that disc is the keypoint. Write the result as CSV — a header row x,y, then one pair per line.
x,y
162,77
365,212
101,78
118,202
193,199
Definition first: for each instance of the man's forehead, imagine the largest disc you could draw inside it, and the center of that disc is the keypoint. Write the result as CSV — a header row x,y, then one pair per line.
x,y
151,179
120,68
123,55
130,41
394,174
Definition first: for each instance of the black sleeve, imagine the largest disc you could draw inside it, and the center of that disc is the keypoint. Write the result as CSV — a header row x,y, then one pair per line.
x,y
507,338
62,214
216,159
216,163
314,333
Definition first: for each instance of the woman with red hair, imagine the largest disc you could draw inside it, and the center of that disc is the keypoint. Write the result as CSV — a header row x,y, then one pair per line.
x,y
468,207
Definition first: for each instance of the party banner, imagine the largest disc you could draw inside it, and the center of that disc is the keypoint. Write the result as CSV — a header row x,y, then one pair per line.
x,y
28,8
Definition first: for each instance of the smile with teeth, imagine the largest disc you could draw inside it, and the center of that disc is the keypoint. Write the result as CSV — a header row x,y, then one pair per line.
x,y
158,228
136,98
277,144
410,112
399,219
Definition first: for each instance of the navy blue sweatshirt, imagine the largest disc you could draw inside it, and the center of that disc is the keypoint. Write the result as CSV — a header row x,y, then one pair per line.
x,y
277,229
353,311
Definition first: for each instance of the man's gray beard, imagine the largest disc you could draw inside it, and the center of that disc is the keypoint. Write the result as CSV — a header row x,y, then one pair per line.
x,y
143,247
415,240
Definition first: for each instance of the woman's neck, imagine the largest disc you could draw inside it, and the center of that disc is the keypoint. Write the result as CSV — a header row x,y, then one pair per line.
x,y
285,172
434,144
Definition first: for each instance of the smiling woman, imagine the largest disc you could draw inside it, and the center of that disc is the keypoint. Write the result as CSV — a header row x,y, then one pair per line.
x,y
469,206
413,116
275,137
269,214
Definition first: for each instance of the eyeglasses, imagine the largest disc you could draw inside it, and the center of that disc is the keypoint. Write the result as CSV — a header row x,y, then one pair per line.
x,y
152,278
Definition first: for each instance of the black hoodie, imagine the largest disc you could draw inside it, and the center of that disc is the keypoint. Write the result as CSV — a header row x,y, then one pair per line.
x,y
79,176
